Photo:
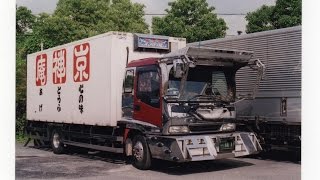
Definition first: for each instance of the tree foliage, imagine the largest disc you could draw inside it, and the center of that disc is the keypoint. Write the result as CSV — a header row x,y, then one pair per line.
x,y
286,13
260,20
73,20
24,20
51,31
192,19
24,23
127,17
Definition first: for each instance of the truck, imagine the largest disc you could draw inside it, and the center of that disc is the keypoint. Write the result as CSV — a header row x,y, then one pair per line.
x,y
275,113
145,96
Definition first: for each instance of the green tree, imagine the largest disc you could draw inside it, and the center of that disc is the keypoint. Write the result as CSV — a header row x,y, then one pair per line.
x,y
286,13
24,23
128,17
192,19
73,20
96,17
89,16
21,87
51,31
260,20
24,20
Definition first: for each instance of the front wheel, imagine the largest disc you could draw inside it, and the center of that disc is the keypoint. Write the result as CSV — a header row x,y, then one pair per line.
x,y
56,142
141,153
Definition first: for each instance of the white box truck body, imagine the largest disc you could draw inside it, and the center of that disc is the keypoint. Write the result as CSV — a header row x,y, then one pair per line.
x,y
81,82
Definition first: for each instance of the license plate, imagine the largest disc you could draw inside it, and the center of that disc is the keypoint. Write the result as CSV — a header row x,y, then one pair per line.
x,y
226,144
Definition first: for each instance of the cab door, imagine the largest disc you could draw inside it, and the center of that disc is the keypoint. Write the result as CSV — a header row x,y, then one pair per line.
x,y
147,103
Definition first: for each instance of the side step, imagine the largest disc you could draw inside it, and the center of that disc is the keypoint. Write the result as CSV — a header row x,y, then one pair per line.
x,y
96,147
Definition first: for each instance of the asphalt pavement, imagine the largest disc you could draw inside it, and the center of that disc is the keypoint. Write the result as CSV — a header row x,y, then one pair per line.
x,y
40,163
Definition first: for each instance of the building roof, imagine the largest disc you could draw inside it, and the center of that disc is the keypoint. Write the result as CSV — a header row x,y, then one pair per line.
x,y
263,33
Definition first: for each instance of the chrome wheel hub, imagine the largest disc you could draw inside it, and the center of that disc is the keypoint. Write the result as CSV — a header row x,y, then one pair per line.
x,y
56,140
138,151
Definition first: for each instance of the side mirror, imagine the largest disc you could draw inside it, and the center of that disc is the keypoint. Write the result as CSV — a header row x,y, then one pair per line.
x,y
178,68
128,81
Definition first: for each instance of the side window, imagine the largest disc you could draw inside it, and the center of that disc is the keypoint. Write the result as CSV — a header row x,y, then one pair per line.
x,y
219,83
127,97
128,81
148,90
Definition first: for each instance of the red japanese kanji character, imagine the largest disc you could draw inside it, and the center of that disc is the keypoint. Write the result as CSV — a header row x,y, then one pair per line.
x,y
41,70
59,66
81,62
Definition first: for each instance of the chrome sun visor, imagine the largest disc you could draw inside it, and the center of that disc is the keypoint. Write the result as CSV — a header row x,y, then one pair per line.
x,y
207,56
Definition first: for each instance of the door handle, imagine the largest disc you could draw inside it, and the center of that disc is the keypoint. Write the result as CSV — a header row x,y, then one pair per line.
x,y
137,107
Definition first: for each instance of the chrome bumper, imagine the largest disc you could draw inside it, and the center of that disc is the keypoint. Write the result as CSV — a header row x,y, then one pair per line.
x,y
203,147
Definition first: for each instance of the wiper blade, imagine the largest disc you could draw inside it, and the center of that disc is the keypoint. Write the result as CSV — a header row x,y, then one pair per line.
x,y
211,97
199,95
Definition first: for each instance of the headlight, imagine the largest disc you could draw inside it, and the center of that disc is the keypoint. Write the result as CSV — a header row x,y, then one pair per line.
x,y
178,129
228,127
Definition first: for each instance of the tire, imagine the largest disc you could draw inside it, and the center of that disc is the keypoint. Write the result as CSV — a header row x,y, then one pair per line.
x,y
141,156
56,142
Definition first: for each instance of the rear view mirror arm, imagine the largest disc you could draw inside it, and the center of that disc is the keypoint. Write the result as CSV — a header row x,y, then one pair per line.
x,y
257,65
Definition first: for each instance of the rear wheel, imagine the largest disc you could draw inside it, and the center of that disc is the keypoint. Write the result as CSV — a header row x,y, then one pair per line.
x,y
140,153
56,142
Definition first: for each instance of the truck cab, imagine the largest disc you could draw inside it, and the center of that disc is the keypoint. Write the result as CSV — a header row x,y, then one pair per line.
x,y
185,101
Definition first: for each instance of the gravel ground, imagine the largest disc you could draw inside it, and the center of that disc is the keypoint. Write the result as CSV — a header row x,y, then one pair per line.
x,y
41,163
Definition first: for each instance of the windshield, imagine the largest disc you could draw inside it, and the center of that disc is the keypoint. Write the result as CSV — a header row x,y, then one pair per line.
x,y
205,83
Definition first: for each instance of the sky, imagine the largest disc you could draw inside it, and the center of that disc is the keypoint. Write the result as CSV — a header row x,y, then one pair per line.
x,y
222,7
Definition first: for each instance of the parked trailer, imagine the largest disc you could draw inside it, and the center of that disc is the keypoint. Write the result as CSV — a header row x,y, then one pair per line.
x,y
275,114
92,94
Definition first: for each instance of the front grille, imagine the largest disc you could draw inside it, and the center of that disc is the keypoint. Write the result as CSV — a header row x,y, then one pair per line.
x,y
204,127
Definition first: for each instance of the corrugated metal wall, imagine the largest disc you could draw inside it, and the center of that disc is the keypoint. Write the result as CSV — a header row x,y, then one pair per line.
x,y
279,50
